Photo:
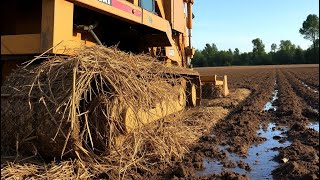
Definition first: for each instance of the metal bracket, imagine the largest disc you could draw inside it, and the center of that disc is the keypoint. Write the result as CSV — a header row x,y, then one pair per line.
x,y
90,29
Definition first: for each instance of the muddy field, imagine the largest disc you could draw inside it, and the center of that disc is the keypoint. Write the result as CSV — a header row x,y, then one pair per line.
x,y
272,134
268,128
283,107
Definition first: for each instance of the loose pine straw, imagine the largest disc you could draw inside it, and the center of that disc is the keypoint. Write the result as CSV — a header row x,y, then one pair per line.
x,y
60,91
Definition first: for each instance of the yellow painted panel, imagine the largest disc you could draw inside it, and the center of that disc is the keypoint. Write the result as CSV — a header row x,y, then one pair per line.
x,y
107,9
68,46
57,28
179,17
207,78
63,21
20,44
155,21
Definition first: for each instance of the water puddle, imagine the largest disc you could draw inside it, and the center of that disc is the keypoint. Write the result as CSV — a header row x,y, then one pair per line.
x,y
314,120
314,125
259,156
269,105
315,110
315,91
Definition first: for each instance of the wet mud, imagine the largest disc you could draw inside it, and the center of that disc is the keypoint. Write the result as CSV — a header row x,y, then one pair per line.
x,y
274,134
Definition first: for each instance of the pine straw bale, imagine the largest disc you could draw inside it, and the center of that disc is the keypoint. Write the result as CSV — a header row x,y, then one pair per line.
x,y
49,107
158,144
161,143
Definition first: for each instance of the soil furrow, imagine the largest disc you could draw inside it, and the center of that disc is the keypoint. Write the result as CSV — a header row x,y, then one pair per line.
x,y
300,159
308,95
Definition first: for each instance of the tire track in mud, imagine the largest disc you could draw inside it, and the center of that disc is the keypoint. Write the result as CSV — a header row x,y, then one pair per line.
x,y
239,130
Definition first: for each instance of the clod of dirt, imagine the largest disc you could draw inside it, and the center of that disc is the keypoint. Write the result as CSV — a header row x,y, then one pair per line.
x,y
182,171
197,158
309,113
298,151
229,164
244,165
198,162
232,175
283,140
276,137
298,127
264,126
294,170
199,166
280,128
207,138
306,135
303,162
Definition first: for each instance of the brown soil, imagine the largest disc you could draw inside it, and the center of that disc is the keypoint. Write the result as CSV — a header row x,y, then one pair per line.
x,y
229,164
244,165
295,105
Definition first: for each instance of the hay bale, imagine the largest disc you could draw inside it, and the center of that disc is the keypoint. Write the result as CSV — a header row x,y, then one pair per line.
x,y
15,112
65,105
159,144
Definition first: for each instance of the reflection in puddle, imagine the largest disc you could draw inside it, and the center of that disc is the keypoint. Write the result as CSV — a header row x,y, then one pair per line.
x,y
269,105
315,91
259,156
314,125
315,110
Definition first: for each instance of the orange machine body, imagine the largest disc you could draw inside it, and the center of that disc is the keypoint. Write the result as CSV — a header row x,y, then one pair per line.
x,y
158,27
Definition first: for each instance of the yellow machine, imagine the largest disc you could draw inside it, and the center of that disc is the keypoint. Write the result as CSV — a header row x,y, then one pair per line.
x,y
161,28
216,85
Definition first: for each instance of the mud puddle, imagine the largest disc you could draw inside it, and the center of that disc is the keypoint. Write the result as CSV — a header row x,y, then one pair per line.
x,y
270,105
315,110
314,125
260,157
314,122
315,91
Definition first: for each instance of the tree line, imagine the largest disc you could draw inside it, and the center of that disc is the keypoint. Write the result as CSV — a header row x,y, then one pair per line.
x,y
284,53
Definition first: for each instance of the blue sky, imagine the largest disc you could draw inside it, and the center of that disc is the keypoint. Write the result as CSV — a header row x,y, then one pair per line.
x,y
235,23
